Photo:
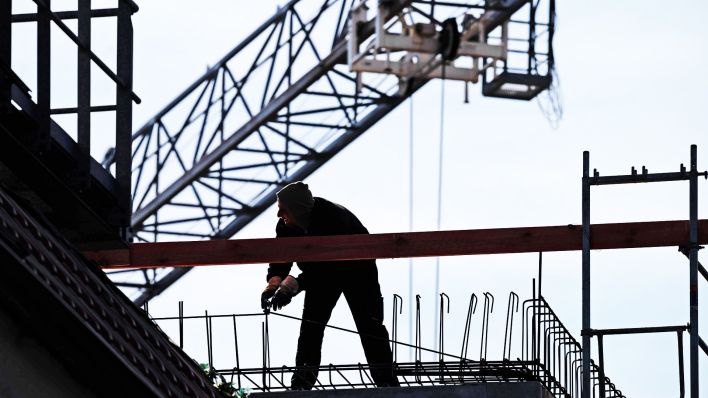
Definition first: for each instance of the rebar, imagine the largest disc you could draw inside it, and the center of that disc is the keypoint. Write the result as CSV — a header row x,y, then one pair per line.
x,y
556,363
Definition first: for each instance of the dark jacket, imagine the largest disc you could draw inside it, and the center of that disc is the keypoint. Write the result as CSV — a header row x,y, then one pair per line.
x,y
327,218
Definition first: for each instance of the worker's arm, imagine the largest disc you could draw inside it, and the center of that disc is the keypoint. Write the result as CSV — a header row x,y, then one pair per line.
x,y
277,272
281,270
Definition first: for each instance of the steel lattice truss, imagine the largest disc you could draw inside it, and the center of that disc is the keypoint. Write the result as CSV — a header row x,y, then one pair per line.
x,y
272,111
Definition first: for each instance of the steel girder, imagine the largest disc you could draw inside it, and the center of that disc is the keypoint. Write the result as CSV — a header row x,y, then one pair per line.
x,y
272,111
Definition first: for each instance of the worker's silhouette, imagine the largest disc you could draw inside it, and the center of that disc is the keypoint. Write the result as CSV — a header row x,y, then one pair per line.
x,y
323,282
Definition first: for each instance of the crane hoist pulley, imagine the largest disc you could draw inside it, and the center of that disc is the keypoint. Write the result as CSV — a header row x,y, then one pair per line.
x,y
423,50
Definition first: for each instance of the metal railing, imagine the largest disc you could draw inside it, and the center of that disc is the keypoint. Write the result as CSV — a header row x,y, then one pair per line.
x,y
122,77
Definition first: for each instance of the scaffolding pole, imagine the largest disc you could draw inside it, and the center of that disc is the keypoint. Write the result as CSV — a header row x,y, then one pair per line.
x,y
693,271
691,246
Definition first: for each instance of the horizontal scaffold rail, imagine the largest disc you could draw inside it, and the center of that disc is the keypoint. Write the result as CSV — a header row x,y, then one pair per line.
x,y
397,245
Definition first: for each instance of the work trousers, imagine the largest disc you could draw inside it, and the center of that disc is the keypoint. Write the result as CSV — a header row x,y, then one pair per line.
x,y
363,294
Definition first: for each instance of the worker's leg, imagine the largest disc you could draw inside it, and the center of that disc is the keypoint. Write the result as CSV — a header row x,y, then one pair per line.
x,y
320,300
365,301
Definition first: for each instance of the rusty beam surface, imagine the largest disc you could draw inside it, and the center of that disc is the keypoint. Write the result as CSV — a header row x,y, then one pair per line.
x,y
397,245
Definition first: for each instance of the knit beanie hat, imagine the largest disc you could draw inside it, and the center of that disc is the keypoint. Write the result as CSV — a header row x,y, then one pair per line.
x,y
298,201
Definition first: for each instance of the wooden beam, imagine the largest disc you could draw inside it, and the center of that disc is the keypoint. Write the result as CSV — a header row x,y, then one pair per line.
x,y
397,245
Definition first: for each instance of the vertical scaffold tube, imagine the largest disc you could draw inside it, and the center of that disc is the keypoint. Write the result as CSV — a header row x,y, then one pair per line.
x,y
693,271
586,387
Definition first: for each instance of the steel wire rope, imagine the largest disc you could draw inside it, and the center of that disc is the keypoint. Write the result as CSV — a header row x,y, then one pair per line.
x,y
410,215
551,101
410,221
433,351
440,187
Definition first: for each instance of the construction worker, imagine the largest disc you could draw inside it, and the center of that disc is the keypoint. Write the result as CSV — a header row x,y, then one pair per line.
x,y
301,214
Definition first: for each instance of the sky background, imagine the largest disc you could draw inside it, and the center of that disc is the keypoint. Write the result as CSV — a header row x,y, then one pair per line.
x,y
631,75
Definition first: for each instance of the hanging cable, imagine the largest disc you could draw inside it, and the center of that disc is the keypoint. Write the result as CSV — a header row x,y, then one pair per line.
x,y
410,222
551,101
440,186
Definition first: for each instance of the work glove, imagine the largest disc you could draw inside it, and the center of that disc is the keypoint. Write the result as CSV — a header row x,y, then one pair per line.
x,y
286,291
273,284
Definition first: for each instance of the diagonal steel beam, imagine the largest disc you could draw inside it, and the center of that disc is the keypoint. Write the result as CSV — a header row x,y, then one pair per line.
x,y
337,56
264,117
701,269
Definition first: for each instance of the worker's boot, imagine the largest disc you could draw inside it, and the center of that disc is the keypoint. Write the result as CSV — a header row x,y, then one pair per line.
x,y
304,377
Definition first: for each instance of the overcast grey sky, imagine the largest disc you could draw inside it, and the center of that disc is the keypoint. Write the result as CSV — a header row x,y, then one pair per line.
x,y
632,77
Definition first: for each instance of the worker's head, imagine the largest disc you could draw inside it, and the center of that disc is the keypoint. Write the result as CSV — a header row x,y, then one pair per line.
x,y
295,203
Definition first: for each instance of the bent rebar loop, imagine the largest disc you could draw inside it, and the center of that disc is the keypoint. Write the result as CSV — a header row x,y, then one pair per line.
x,y
488,309
513,299
441,338
466,335
397,305
468,323
418,350
526,306
531,326
441,334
